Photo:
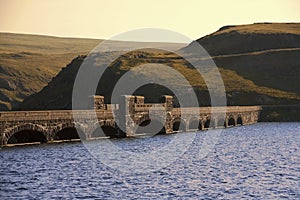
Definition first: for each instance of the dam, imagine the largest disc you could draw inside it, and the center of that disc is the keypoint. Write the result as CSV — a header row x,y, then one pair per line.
x,y
51,125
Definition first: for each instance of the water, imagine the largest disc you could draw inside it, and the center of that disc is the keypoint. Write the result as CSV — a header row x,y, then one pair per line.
x,y
260,161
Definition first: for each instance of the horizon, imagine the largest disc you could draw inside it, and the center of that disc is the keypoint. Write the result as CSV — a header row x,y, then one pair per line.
x,y
124,40
70,37
105,19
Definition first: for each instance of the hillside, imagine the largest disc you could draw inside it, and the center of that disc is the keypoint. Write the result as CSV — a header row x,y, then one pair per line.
x,y
266,53
259,64
250,38
29,62
240,91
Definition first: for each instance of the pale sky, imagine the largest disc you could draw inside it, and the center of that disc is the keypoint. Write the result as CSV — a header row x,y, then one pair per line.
x,y
106,18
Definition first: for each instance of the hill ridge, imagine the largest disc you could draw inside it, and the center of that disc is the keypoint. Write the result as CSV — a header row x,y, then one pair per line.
x,y
260,62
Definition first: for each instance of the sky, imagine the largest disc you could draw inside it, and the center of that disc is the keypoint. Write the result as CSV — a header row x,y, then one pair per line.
x,y
105,18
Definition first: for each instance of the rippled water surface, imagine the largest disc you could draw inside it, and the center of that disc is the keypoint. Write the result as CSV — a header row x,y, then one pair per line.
x,y
260,161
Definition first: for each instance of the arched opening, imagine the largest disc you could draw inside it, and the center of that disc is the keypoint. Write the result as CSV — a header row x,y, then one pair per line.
x,y
145,123
69,133
108,131
221,123
231,122
27,136
179,126
209,124
239,121
151,127
194,124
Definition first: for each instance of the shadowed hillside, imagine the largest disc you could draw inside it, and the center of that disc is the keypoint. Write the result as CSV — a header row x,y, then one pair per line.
x,y
259,64
240,91
266,53
29,62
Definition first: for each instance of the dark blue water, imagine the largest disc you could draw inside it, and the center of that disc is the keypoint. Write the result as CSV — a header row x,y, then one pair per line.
x,y
260,161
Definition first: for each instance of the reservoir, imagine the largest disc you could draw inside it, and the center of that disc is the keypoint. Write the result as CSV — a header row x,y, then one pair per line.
x,y
259,161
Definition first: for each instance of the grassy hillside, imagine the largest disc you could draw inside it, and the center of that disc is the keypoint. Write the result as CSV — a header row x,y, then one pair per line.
x,y
259,64
29,62
278,69
250,38
266,53
240,91
12,43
